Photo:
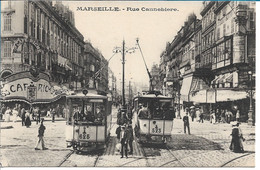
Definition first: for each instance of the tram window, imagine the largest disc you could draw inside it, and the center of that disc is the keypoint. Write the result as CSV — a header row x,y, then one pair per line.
x,y
99,113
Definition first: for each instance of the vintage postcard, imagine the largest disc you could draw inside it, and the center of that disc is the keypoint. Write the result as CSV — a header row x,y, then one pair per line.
x,y
128,83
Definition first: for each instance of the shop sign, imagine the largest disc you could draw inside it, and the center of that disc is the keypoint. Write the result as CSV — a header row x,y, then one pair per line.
x,y
29,89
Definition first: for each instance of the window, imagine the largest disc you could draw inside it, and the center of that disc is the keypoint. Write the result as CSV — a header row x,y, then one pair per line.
x,y
218,33
224,30
7,49
7,22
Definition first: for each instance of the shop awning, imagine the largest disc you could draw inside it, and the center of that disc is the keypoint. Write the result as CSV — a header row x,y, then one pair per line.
x,y
214,81
221,79
185,88
229,78
199,97
229,95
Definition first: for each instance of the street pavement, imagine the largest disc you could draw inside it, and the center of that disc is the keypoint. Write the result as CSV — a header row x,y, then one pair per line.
x,y
207,146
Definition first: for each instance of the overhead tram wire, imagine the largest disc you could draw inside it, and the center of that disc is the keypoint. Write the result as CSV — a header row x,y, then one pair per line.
x,y
149,74
98,72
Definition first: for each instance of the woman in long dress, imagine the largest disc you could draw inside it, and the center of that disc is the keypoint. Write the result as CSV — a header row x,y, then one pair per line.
x,y
7,114
237,139
15,114
27,119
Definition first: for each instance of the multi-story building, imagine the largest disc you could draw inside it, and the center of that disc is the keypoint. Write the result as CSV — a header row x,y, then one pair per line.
x,y
41,35
95,69
156,77
112,85
213,59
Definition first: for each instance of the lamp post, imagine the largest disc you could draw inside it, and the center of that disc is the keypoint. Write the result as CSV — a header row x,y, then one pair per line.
x,y
123,50
250,111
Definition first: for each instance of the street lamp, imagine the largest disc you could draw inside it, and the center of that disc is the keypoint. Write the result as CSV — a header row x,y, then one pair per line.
x,y
250,111
123,50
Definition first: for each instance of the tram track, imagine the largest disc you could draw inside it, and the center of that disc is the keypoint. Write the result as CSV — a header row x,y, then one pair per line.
x,y
174,160
66,158
236,158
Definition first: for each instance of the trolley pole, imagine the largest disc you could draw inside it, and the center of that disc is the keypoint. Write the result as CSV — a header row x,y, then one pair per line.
x,y
123,75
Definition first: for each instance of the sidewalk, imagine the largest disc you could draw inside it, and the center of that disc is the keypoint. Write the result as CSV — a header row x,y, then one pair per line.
x,y
8,125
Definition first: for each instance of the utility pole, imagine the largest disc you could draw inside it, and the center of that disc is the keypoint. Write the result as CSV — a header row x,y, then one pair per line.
x,y
123,75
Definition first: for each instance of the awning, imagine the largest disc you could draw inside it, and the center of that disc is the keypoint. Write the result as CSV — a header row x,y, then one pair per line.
x,y
230,95
221,79
199,97
229,78
185,88
214,81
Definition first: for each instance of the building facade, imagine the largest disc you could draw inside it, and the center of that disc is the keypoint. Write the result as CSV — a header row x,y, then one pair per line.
x,y
211,61
41,35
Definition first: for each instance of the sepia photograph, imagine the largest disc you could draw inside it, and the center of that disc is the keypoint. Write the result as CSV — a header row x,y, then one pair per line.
x,y
128,84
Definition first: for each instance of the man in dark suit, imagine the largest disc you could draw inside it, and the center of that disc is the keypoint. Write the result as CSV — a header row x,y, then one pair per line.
x,y
130,138
186,122
124,141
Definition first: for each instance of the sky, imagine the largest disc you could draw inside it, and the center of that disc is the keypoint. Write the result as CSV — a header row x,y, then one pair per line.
x,y
107,30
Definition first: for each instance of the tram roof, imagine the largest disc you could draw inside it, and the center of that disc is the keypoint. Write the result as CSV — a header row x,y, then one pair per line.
x,y
89,95
153,96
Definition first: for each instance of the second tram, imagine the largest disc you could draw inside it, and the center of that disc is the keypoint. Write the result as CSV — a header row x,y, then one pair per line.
x,y
153,117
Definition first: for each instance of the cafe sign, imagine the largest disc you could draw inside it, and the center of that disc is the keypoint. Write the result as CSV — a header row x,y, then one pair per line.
x,y
29,90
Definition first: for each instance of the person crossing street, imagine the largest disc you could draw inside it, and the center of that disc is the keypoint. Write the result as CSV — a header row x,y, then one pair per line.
x,y
40,136
186,122
130,138
124,141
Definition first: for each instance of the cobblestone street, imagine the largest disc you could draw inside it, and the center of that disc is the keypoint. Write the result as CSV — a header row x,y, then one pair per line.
x,y
207,146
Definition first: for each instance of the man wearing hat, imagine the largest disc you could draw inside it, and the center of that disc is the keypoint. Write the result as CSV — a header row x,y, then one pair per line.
x,y
124,141
130,137
40,135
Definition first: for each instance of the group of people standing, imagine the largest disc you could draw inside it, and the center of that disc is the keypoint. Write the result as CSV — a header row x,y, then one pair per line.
x,y
17,111
224,116
125,136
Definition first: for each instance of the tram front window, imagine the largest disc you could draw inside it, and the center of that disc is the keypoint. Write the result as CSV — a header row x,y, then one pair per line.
x,y
91,113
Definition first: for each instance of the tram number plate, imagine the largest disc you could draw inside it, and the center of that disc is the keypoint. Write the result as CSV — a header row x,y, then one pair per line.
x,y
156,130
84,136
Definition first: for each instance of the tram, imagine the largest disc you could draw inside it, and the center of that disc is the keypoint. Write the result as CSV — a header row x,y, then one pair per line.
x,y
153,117
88,121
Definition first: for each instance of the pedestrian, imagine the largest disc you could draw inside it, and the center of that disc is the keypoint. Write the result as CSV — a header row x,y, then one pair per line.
x,y
237,139
8,114
192,112
217,116
2,111
19,110
36,114
238,116
15,114
228,116
53,113
124,142
201,116
49,112
198,114
222,112
186,122
130,138
212,117
27,120
41,130
23,116
118,131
